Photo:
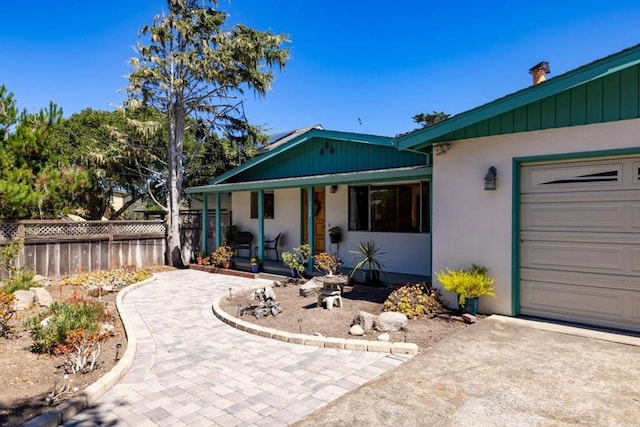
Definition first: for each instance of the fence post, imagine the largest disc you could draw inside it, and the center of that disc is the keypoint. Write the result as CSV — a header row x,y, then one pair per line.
x,y
22,257
109,246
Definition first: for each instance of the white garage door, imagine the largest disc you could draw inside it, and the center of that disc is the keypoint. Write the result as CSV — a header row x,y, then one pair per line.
x,y
580,242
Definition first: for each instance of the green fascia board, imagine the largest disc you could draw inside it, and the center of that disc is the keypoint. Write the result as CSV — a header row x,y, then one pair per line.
x,y
360,177
423,137
383,141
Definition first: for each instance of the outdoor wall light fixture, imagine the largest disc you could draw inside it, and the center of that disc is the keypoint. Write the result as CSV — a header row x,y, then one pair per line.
x,y
333,189
490,178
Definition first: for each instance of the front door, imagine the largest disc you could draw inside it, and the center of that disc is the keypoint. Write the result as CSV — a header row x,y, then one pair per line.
x,y
318,219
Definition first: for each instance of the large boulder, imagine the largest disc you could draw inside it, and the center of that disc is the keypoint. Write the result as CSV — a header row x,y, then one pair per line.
x,y
42,297
364,320
391,321
24,299
312,287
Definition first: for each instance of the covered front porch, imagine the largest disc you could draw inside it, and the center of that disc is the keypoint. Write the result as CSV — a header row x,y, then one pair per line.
x,y
276,270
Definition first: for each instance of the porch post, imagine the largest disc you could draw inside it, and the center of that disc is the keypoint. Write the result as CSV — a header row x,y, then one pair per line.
x,y
310,228
204,223
218,220
260,253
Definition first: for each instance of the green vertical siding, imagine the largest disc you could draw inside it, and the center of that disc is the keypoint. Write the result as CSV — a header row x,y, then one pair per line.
x,y
612,97
323,156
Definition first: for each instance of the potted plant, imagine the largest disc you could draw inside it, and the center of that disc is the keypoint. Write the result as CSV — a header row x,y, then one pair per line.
x,y
221,257
199,258
469,284
231,235
368,256
297,259
327,263
256,264
335,234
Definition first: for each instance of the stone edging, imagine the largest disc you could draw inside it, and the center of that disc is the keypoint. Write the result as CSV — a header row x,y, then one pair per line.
x,y
69,408
310,340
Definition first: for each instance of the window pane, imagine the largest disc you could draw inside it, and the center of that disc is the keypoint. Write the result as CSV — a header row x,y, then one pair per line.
x,y
409,208
384,208
426,208
358,208
254,204
269,208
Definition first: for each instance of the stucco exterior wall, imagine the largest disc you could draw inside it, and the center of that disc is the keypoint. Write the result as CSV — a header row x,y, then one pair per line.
x,y
471,225
286,217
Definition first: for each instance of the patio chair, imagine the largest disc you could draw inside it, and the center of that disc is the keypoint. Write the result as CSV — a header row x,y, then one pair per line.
x,y
271,245
243,241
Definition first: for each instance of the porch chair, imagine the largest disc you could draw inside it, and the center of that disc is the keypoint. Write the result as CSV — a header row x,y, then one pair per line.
x,y
271,245
243,241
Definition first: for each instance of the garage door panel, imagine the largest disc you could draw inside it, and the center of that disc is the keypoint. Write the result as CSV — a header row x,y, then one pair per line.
x,y
576,257
579,278
584,216
635,216
574,300
574,177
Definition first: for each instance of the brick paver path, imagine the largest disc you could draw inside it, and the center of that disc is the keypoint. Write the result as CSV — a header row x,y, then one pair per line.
x,y
192,369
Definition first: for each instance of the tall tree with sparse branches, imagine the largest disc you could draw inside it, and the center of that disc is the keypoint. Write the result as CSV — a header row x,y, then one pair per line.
x,y
190,65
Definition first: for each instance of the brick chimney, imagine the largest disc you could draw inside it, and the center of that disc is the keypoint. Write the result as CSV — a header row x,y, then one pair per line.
x,y
539,72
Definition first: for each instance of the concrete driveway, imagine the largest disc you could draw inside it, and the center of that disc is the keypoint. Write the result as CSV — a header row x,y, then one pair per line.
x,y
503,372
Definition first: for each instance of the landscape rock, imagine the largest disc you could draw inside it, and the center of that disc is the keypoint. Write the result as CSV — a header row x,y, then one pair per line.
x,y
24,299
38,278
365,320
356,330
391,321
310,288
384,337
42,297
107,328
469,318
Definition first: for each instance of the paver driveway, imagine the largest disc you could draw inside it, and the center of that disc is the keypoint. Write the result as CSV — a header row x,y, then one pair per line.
x,y
192,369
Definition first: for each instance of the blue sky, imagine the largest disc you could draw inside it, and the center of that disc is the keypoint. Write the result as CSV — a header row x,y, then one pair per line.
x,y
356,66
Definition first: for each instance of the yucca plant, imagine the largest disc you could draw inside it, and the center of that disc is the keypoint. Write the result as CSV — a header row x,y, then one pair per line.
x,y
369,260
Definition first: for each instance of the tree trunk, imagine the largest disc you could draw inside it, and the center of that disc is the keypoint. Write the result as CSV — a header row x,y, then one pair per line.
x,y
176,129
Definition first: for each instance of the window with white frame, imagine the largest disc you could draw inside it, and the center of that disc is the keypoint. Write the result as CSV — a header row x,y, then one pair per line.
x,y
400,208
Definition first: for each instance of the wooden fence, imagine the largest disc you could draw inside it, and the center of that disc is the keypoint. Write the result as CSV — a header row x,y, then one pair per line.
x,y
57,249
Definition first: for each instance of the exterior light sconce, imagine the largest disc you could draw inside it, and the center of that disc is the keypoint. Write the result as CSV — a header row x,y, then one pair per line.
x,y
490,178
440,149
333,189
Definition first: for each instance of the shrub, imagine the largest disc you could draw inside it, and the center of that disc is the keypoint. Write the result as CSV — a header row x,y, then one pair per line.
x,y
64,317
117,278
297,259
7,310
414,301
470,283
22,280
19,278
80,350
327,263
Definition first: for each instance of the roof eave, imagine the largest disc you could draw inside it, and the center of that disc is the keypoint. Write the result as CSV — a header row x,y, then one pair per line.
x,y
359,177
